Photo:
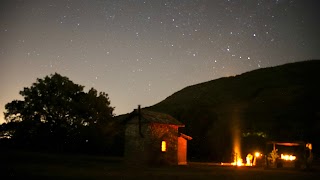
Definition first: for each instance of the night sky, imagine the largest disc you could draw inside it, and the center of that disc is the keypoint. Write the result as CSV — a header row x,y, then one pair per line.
x,y
140,52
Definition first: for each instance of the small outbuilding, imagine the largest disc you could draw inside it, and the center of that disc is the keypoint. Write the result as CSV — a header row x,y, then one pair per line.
x,y
153,138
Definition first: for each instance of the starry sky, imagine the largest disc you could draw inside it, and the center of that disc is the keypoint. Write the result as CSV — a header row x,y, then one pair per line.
x,y
140,52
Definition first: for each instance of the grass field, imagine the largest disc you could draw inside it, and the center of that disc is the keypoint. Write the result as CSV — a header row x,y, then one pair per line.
x,y
17,165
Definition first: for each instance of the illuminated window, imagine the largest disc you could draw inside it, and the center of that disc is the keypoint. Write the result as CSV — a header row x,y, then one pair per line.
x,y
163,146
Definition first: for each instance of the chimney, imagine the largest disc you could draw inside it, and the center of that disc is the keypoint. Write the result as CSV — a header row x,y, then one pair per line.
x,y
139,116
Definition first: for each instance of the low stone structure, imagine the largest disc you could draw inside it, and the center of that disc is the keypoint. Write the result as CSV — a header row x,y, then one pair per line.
x,y
152,138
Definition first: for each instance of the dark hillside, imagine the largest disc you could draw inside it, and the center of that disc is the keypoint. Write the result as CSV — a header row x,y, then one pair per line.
x,y
279,103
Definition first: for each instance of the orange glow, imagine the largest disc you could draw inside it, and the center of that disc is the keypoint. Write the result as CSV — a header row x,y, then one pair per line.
x,y
309,146
257,154
236,137
163,146
238,162
288,157
249,160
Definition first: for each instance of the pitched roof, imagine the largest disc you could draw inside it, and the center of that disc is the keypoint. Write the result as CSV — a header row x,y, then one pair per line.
x,y
156,117
151,117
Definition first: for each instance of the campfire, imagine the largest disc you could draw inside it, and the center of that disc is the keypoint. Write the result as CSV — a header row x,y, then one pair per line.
x,y
250,159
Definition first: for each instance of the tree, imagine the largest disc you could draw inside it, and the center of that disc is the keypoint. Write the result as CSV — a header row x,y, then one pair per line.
x,y
57,113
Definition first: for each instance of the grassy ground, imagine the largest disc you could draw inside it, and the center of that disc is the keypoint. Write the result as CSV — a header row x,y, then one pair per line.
x,y
17,165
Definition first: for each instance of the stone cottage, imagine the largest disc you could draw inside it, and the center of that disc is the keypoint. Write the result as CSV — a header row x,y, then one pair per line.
x,y
152,138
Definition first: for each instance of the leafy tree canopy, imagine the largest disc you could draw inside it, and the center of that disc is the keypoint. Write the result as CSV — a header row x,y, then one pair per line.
x,y
57,112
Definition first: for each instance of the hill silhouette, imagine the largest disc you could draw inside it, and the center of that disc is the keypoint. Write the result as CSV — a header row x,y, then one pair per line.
x,y
275,103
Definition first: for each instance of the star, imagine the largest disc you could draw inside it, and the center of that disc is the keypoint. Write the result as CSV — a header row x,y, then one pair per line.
x,y
124,47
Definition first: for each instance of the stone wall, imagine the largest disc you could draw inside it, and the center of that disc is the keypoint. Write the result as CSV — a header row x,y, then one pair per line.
x,y
146,150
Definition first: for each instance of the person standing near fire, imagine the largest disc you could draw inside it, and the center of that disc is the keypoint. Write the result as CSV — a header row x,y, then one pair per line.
x,y
249,159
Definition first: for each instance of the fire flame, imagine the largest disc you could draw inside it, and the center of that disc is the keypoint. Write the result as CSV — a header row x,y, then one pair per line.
x,y
237,161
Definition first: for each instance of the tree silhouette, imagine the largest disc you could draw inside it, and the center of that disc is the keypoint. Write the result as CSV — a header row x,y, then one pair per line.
x,y
57,114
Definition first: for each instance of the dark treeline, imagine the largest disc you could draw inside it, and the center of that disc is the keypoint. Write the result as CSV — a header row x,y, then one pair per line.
x,y
57,115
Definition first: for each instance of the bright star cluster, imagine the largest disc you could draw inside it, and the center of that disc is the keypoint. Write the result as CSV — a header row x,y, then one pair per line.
x,y
140,52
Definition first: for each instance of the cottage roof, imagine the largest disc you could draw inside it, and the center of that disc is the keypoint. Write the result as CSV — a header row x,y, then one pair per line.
x,y
156,117
151,117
